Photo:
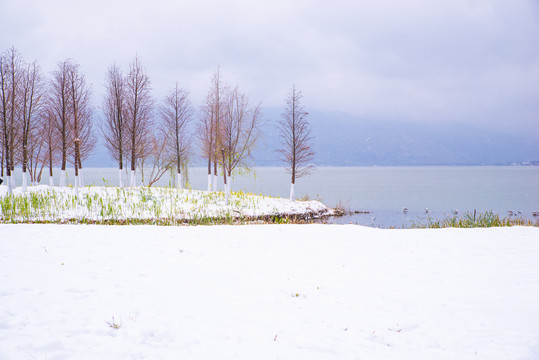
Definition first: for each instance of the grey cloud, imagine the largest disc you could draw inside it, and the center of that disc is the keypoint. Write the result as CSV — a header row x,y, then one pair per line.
x,y
419,60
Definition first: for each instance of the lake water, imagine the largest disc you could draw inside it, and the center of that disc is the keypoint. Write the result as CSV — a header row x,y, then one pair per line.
x,y
383,192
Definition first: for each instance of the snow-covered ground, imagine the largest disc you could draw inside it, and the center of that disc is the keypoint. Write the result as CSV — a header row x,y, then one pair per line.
x,y
103,203
268,292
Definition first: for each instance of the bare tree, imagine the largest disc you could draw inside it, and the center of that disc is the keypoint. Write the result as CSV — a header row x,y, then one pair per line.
x,y
2,147
31,103
240,131
138,115
205,134
210,126
296,139
88,139
217,91
16,64
59,103
4,118
10,66
114,128
176,114
81,119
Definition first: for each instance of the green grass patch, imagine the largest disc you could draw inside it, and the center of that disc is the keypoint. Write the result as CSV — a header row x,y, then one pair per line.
x,y
139,206
474,220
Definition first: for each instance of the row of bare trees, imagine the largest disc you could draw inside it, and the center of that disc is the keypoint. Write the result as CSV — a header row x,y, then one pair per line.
x,y
228,129
46,121
139,132
42,120
20,98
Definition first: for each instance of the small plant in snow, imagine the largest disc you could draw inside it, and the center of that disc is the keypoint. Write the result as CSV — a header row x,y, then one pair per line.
x,y
114,324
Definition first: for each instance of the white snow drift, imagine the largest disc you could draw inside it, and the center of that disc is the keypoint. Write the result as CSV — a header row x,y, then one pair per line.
x,y
268,292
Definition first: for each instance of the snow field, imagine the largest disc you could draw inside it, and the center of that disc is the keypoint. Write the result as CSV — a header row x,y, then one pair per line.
x,y
268,292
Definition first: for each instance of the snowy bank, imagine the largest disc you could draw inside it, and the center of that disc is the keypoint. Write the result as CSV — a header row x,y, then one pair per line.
x,y
268,292
147,204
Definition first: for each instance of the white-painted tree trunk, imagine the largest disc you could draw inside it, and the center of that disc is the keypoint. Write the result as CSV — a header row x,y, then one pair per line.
x,y
81,178
51,181
77,185
209,182
229,185
62,178
133,181
120,181
9,185
24,181
292,193
214,186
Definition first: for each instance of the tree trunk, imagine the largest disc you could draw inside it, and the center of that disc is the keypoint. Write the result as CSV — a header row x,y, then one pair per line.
x,y
178,165
24,168
120,170
62,177
133,163
81,180
64,160
120,182
9,184
215,176
24,181
293,183
209,175
229,184
133,183
224,178
51,179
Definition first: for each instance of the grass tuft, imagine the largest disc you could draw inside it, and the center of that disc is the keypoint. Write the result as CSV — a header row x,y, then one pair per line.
x,y
475,220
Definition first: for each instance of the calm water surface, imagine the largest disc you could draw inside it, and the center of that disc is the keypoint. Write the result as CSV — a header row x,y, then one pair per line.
x,y
383,191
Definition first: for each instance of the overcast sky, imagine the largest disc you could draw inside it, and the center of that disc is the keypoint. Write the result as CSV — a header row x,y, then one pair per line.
x,y
464,61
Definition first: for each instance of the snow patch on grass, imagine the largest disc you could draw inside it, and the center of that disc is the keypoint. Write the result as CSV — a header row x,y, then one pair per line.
x,y
142,204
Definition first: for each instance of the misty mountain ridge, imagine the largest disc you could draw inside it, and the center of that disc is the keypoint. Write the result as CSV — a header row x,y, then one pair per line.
x,y
346,140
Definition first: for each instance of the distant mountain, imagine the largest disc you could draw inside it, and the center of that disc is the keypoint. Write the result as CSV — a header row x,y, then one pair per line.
x,y
345,140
